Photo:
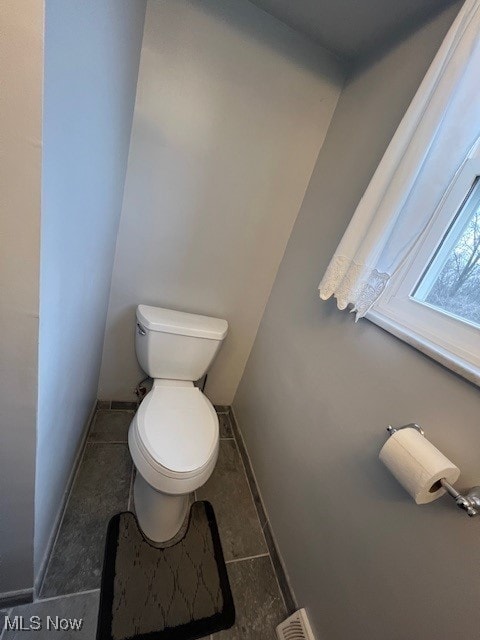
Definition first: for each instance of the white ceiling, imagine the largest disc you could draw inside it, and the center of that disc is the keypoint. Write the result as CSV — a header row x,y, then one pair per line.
x,y
352,28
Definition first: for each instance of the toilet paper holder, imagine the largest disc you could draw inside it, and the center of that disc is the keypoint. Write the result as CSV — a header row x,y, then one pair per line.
x,y
470,502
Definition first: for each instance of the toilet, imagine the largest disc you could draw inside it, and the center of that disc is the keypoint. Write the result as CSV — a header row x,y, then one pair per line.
x,y
174,435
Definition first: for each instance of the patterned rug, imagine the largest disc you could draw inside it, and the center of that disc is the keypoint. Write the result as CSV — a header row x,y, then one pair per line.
x,y
179,592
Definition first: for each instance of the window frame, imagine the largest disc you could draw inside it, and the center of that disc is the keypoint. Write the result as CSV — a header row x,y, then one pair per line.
x,y
448,339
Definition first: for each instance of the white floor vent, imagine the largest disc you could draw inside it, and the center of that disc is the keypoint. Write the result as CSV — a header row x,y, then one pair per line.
x,y
296,627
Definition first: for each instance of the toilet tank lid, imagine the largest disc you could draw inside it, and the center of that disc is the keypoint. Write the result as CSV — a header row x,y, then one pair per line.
x,y
181,323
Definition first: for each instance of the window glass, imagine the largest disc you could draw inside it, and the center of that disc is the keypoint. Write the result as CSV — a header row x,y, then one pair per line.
x,y
451,282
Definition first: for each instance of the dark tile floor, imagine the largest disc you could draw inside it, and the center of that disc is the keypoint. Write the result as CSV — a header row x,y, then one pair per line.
x,y
103,487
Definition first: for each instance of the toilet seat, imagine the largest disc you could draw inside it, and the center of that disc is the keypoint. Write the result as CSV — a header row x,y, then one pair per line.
x,y
178,427
174,437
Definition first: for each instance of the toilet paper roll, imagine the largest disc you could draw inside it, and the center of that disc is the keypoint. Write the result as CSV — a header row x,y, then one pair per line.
x,y
417,465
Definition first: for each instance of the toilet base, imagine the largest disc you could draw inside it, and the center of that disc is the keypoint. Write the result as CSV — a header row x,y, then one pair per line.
x,y
159,515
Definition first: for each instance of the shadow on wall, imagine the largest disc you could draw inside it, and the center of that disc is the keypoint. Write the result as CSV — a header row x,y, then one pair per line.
x,y
262,33
382,46
121,336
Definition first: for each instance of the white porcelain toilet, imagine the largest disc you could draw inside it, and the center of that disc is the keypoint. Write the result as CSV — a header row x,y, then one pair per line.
x,y
173,437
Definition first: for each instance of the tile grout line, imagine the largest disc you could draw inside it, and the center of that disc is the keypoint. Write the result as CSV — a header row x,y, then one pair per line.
x,y
263,532
277,580
260,555
87,442
107,441
236,432
284,600
57,535
66,595
251,493
39,579
130,490
77,471
129,408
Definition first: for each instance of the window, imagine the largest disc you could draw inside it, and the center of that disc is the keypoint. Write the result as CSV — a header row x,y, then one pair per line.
x,y
451,282
433,302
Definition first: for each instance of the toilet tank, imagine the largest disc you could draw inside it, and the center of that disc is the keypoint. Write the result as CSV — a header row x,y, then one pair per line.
x,y
176,345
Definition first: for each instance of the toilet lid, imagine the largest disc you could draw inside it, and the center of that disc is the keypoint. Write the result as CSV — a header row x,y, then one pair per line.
x,y
179,427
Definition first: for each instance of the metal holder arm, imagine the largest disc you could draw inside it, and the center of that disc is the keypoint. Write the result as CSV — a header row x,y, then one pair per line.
x,y
470,502
391,430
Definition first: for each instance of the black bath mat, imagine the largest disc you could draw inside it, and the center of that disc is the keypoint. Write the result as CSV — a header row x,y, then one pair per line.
x,y
180,592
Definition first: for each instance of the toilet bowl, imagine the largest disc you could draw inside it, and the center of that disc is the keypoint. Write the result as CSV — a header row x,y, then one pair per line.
x,y
174,435
173,441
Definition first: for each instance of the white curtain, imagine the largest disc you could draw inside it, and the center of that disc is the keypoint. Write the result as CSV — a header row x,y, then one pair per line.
x,y
431,143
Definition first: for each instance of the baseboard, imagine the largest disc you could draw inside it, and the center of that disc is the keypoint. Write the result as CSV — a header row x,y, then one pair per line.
x,y
277,560
59,517
14,598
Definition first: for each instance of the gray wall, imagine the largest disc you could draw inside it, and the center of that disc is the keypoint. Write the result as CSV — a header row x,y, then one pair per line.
x,y
318,392
232,108
92,52
21,69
